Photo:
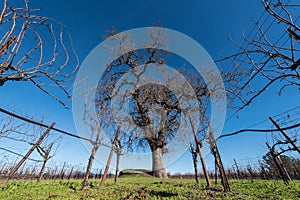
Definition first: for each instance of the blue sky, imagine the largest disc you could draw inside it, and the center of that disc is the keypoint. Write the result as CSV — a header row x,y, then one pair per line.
x,y
207,22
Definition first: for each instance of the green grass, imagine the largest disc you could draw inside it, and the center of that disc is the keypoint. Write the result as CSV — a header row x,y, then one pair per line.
x,y
148,188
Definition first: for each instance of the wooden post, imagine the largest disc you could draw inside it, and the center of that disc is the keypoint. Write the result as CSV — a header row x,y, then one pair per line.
x,y
13,171
285,135
110,157
199,146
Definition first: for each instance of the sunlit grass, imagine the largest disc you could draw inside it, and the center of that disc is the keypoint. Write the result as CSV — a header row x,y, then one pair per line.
x,y
148,188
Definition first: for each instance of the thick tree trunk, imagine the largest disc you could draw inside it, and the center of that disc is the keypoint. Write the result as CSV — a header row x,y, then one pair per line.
x,y
158,168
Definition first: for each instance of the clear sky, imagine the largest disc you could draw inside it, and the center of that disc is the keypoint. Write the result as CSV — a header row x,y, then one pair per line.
x,y
207,22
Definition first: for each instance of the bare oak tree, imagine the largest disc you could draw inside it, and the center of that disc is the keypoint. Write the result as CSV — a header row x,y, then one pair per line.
x,y
164,103
155,110
138,61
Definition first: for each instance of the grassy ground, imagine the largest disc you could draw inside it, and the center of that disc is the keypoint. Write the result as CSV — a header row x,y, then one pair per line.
x,y
148,188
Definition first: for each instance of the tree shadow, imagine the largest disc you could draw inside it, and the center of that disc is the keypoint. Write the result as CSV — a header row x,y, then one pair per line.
x,y
163,193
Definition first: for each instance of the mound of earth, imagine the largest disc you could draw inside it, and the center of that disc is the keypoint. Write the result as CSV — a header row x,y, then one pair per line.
x,y
135,173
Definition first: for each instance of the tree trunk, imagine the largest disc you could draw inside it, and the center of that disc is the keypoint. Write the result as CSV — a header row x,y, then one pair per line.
x,y
110,157
237,169
117,165
71,173
199,151
195,161
218,161
216,172
158,168
89,167
224,180
40,176
62,172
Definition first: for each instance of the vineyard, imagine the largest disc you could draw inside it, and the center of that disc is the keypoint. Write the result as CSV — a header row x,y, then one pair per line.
x,y
148,113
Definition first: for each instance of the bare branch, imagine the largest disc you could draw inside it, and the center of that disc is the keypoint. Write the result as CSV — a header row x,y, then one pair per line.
x,y
33,48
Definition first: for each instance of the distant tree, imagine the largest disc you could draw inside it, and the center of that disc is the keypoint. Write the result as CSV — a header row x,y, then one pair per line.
x,y
33,48
291,165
